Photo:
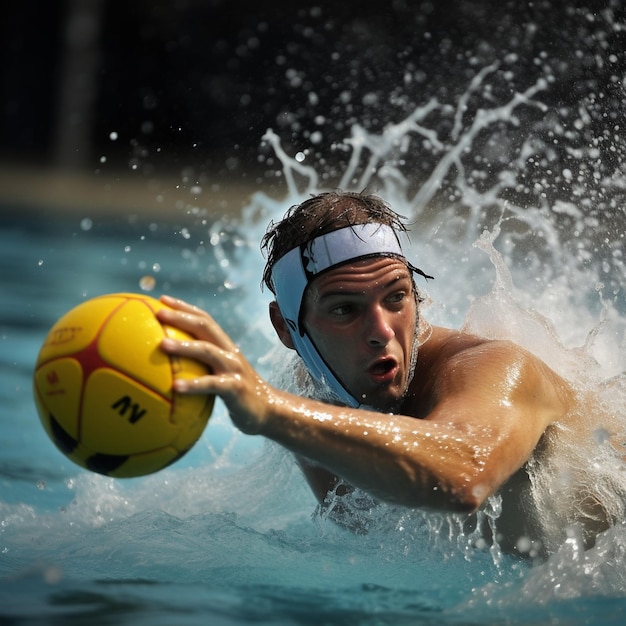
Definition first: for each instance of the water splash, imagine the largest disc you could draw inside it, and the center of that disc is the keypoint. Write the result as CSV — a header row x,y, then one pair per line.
x,y
523,249
545,290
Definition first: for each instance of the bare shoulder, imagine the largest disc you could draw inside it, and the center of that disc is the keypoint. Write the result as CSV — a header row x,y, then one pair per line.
x,y
461,363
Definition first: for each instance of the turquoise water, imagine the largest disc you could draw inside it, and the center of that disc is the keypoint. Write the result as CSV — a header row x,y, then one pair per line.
x,y
229,535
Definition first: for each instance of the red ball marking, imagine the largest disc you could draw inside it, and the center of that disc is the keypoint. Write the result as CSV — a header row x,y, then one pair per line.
x,y
90,359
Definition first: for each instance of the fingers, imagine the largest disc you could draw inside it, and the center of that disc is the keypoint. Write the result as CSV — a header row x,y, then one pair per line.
x,y
231,376
203,352
176,303
194,321
210,346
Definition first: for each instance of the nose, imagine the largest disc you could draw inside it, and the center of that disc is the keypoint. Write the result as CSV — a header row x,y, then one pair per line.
x,y
378,330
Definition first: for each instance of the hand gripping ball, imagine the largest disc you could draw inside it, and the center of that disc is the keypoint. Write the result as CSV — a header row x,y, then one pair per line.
x,y
103,388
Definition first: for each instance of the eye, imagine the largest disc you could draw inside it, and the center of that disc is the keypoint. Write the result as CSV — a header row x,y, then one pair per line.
x,y
342,310
397,298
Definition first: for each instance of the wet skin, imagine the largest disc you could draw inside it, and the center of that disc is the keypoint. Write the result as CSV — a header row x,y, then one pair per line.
x,y
483,406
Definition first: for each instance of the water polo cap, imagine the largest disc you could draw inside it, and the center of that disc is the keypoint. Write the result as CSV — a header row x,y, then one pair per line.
x,y
295,270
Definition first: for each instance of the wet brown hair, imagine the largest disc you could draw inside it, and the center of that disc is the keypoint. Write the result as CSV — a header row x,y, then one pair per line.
x,y
321,214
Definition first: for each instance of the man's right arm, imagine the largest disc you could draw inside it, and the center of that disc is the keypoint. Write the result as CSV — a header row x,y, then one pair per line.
x,y
492,405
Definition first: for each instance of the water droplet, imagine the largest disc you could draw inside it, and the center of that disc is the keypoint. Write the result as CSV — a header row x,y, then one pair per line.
x,y
147,283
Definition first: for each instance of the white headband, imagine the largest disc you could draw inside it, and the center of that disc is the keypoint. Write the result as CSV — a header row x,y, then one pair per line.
x,y
295,270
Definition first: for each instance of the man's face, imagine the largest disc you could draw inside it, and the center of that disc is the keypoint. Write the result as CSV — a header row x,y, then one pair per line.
x,y
362,319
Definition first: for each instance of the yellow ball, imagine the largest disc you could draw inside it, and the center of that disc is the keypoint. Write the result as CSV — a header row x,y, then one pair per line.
x,y
103,388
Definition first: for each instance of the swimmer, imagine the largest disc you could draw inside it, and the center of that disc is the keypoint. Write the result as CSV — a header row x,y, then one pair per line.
x,y
413,415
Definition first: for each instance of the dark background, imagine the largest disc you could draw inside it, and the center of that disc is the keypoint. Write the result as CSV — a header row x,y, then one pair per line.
x,y
184,81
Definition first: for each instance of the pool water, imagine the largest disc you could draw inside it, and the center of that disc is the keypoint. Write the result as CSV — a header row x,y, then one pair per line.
x,y
229,534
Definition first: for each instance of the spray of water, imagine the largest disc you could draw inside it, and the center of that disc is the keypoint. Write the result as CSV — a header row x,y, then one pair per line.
x,y
519,254
520,220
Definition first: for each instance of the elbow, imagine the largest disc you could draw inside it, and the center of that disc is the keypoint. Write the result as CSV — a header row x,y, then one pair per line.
x,y
462,489
460,495
469,496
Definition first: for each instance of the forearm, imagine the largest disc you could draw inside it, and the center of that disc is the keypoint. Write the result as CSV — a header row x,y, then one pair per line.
x,y
452,460
396,459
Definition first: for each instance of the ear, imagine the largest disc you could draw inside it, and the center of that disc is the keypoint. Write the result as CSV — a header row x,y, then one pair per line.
x,y
280,326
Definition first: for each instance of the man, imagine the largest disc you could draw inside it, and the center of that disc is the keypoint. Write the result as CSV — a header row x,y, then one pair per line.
x,y
413,415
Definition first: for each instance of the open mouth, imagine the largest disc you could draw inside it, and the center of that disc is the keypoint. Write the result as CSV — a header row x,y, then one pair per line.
x,y
382,368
